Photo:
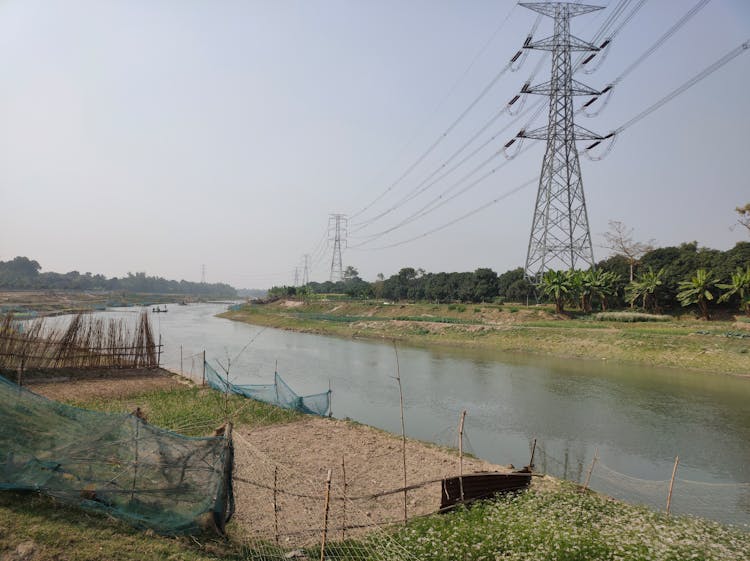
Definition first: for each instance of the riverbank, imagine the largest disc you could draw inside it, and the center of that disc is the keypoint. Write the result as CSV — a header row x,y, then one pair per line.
x,y
550,521
721,347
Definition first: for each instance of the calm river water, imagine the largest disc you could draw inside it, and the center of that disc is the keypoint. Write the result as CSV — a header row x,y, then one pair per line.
x,y
637,418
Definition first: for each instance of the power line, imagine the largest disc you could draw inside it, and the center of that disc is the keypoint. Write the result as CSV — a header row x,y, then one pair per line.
x,y
731,55
647,53
439,139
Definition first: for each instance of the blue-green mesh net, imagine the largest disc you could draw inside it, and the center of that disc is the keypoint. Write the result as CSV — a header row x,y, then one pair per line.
x,y
115,463
278,393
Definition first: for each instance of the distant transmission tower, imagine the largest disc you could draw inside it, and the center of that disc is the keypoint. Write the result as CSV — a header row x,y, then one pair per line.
x,y
203,274
296,276
560,236
337,231
306,270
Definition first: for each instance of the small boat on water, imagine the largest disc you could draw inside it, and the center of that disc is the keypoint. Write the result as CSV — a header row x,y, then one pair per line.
x,y
158,310
482,485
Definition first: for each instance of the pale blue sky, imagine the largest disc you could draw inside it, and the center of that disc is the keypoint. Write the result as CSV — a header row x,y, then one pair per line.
x,y
161,135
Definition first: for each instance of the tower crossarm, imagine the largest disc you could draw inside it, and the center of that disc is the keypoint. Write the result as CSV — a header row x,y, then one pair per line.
x,y
548,88
551,9
574,44
542,133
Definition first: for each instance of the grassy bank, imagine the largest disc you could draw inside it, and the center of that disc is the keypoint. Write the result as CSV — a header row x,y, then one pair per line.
x,y
685,342
558,523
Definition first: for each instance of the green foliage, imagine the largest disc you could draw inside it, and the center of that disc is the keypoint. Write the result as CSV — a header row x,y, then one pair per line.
x,y
557,285
697,290
738,287
646,288
24,273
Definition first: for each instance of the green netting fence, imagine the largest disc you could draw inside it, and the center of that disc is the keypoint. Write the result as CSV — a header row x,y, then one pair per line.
x,y
114,463
278,393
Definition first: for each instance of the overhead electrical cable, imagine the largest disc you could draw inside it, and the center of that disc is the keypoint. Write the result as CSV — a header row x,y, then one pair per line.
x,y
450,92
460,218
647,53
430,180
439,139
728,57
441,199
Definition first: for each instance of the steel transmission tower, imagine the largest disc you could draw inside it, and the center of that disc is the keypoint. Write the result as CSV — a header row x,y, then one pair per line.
x,y
203,274
337,232
296,276
560,236
306,270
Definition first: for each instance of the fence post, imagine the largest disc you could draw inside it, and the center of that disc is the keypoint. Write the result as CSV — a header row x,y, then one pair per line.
x,y
325,519
343,504
671,483
275,504
158,354
461,454
591,469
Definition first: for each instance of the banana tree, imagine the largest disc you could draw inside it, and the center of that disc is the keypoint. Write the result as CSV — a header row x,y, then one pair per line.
x,y
557,285
739,285
697,290
645,288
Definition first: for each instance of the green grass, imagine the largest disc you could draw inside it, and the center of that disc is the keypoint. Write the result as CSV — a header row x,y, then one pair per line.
x,y
629,317
194,411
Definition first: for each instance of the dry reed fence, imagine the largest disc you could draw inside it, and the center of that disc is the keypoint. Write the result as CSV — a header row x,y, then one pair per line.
x,y
86,342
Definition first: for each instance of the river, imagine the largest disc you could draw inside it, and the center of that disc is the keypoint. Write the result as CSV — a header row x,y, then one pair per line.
x,y
637,418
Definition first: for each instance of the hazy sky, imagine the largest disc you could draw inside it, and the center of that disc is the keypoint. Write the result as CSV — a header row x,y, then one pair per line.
x,y
158,136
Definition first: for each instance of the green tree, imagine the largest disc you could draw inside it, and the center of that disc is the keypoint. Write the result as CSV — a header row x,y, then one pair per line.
x,y
556,284
601,285
646,288
740,287
697,290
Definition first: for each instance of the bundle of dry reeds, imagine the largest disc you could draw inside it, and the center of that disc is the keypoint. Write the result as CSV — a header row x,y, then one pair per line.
x,y
87,342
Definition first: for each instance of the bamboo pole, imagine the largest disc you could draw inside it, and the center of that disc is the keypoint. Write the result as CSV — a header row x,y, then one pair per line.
x,y
135,463
591,469
533,450
330,399
343,504
275,504
203,380
461,454
158,356
403,427
182,371
325,518
671,483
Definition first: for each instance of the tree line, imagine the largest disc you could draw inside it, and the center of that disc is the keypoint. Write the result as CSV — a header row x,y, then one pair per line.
x,y
24,273
663,279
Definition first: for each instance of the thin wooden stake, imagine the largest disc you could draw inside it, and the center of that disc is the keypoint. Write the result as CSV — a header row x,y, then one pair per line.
x,y
343,504
403,427
671,483
275,505
158,355
182,371
461,454
203,380
135,463
591,469
533,450
330,399
325,519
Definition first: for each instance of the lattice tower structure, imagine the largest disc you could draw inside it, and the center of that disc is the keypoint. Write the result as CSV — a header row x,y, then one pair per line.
x,y
337,233
306,270
560,236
